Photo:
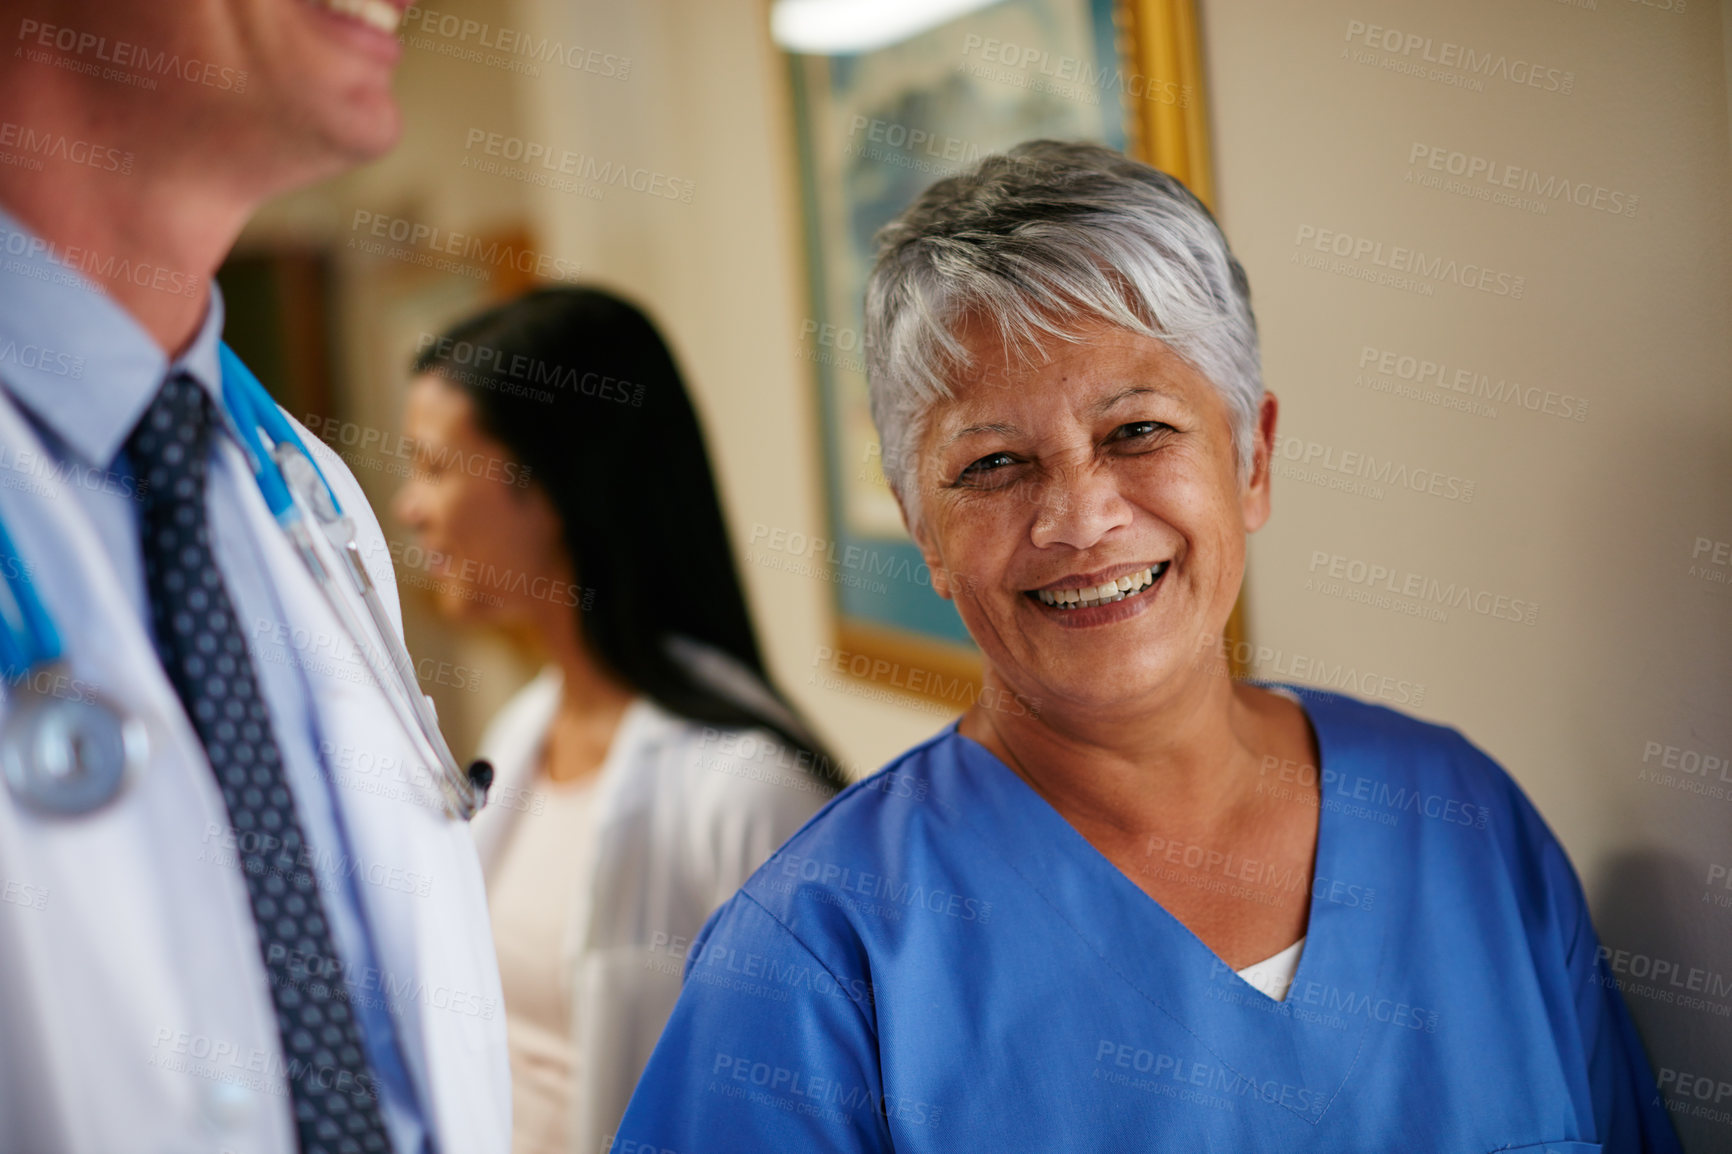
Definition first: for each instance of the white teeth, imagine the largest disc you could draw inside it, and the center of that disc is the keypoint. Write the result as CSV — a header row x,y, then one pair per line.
x,y
1104,593
373,13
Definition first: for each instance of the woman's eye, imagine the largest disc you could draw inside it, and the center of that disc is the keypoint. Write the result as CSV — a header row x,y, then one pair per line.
x,y
990,463
1138,429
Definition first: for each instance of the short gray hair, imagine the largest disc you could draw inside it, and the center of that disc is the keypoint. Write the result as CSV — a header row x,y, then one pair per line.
x,y
1037,239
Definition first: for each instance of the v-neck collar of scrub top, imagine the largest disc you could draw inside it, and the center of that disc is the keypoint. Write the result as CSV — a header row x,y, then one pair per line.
x,y
1250,1034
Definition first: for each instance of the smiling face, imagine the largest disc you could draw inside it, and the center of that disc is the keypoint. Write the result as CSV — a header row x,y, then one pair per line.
x,y
319,75
269,92
327,65
1106,463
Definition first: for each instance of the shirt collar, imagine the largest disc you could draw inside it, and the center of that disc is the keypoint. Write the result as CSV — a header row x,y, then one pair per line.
x,y
77,360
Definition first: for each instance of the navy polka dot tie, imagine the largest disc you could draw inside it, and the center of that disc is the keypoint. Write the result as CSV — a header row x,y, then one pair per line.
x,y
199,639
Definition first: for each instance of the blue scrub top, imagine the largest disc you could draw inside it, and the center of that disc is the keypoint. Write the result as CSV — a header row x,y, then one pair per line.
x,y
939,962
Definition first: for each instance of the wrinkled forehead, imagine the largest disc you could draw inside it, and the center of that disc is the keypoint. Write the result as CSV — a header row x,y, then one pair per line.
x,y
1081,378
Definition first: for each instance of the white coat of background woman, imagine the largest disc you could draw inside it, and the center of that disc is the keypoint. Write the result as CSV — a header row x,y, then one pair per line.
x,y
562,482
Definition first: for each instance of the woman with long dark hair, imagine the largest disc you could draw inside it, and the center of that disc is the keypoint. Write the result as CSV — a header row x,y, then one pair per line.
x,y
563,488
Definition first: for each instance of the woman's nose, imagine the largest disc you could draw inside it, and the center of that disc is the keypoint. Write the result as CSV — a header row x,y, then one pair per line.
x,y
1078,509
406,505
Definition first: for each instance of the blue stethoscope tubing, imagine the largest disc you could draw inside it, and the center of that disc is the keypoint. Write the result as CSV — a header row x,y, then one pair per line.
x,y
64,749
69,755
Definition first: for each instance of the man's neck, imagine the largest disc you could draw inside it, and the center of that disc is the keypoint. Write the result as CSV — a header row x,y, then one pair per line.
x,y
151,240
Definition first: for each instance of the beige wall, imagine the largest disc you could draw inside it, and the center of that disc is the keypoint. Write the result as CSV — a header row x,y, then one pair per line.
x,y
1594,523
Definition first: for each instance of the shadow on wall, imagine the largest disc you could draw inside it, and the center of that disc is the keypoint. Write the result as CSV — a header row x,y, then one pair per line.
x,y
1664,939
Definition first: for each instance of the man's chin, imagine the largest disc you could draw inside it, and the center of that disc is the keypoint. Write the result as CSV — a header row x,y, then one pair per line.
x,y
360,136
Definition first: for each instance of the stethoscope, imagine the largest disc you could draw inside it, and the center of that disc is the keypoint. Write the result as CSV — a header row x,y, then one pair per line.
x,y
71,752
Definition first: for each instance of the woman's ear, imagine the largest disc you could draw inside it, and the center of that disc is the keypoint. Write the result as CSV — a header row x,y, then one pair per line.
x,y
1254,501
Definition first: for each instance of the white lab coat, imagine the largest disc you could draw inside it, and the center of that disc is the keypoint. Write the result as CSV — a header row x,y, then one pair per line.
x,y
682,817
135,1013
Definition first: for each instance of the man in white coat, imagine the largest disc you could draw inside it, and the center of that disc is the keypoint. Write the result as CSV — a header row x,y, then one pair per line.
x,y
272,937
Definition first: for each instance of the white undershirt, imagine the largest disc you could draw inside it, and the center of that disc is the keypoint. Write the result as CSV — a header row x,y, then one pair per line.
x,y
1272,976
532,894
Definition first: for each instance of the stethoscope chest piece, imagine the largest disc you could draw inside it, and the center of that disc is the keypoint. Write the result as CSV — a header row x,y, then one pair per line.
x,y
68,755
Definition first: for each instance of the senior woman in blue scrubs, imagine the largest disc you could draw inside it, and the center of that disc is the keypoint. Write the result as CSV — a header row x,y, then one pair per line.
x,y
1162,910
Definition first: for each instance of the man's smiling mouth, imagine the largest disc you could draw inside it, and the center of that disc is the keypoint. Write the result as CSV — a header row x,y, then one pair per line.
x,y
375,14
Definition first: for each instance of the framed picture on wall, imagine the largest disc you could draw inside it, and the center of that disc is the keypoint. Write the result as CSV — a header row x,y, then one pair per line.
x,y
874,128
